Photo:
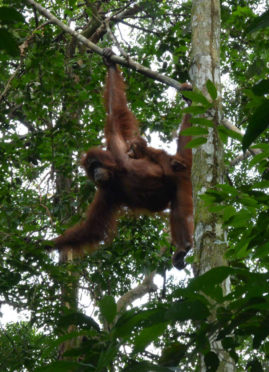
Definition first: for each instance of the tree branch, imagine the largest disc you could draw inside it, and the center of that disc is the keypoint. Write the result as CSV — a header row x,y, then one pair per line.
x,y
129,63
239,158
114,39
141,28
145,287
230,126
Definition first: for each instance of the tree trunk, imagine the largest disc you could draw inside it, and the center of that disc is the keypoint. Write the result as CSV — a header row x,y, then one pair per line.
x,y
208,165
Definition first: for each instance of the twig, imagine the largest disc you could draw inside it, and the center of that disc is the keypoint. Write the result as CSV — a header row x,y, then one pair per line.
x,y
232,127
141,28
122,38
239,158
7,87
44,206
114,39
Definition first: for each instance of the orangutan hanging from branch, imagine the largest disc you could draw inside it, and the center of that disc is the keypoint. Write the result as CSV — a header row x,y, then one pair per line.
x,y
131,174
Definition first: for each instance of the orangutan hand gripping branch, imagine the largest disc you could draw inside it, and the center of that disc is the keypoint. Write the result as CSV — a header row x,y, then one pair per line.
x,y
131,174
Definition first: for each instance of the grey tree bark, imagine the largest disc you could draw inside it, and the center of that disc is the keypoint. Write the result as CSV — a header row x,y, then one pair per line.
x,y
208,166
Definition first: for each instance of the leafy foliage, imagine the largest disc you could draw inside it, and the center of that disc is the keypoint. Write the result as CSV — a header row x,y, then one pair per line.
x,y
28,346
258,122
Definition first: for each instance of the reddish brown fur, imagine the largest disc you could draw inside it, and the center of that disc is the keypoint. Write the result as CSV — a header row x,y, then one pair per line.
x,y
170,164
153,181
128,126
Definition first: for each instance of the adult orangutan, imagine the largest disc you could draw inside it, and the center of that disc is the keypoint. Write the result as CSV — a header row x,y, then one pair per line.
x,y
131,174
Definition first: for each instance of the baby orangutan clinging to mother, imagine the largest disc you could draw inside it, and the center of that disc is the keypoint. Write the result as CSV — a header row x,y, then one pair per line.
x,y
131,174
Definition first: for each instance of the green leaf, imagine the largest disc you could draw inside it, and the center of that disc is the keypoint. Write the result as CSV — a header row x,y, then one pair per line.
x,y
266,348
261,185
228,189
8,43
196,142
72,2
195,110
255,366
258,158
242,249
10,15
59,366
211,361
145,367
228,212
203,122
148,335
129,320
262,146
78,318
187,309
210,281
211,89
196,97
241,219
261,88
247,200
230,133
172,354
108,308
257,124
194,131
106,357
259,23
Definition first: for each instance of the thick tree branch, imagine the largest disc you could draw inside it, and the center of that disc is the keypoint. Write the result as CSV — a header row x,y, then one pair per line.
x,y
145,287
230,126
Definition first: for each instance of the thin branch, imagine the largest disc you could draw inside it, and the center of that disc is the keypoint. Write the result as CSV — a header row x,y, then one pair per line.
x,y
122,38
126,13
114,39
244,156
44,205
232,127
141,28
123,10
8,84
16,114
115,19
